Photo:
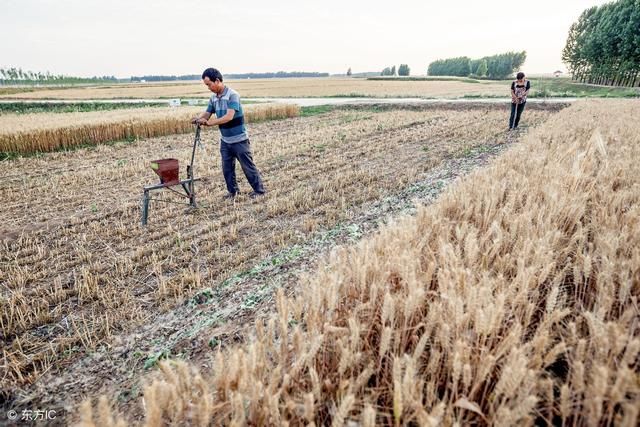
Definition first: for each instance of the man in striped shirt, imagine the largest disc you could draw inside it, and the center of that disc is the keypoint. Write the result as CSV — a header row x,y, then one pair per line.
x,y
234,141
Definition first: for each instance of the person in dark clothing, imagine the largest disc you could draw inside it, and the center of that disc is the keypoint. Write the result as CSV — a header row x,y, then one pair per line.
x,y
519,91
234,142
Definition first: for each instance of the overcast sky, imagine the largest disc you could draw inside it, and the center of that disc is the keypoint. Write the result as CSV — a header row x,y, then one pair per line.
x,y
128,37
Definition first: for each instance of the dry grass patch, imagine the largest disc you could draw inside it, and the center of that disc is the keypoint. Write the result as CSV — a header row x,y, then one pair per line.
x,y
512,300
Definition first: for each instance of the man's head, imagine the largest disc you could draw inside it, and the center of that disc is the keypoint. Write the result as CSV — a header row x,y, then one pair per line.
x,y
212,79
520,75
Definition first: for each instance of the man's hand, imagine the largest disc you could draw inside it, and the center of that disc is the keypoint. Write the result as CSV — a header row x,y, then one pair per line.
x,y
200,121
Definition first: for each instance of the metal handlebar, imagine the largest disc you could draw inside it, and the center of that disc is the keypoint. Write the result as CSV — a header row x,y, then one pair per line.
x,y
193,152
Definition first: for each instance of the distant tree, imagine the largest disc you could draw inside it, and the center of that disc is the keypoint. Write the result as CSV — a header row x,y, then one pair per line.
x,y
481,70
498,66
505,64
603,46
473,65
349,72
459,66
393,70
403,70
386,72
18,75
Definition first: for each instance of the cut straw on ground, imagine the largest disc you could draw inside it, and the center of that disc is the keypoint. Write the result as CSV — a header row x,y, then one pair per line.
x,y
512,300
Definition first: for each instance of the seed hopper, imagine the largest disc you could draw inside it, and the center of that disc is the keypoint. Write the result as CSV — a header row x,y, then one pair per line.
x,y
169,172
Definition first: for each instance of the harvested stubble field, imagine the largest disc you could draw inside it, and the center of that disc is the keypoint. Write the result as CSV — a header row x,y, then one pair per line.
x,y
289,87
513,300
43,132
77,269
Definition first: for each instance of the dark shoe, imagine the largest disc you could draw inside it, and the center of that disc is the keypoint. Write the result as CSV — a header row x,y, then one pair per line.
x,y
229,196
255,194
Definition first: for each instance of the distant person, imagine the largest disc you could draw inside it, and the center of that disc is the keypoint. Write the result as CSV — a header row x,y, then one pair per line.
x,y
519,91
234,143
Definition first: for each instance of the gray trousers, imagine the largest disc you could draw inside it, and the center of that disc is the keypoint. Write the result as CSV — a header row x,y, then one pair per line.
x,y
241,151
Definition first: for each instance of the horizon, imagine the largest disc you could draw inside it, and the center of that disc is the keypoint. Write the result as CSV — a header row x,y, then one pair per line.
x,y
330,75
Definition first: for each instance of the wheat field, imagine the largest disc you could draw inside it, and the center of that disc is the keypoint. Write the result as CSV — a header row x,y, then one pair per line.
x,y
77,270
287,87
42,132
513,300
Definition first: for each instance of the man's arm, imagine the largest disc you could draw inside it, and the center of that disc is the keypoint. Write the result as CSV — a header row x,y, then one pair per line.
x,y
204,115
208,121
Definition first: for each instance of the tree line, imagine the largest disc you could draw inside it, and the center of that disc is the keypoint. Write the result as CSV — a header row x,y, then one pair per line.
x,y
279,74
14,75
403,70
493,67
603,46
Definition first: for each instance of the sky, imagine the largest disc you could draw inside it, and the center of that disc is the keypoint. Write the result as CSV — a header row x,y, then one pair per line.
x,y
128,37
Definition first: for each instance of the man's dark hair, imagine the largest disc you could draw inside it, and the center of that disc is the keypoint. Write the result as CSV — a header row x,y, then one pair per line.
x,y
519,76
212,73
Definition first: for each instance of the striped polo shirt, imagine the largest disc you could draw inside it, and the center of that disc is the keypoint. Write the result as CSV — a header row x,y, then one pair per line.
x,y
233,131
